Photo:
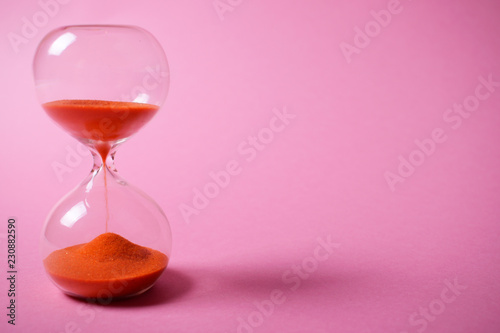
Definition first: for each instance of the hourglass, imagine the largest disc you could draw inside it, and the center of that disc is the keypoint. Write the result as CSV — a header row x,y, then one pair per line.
x,y
101,84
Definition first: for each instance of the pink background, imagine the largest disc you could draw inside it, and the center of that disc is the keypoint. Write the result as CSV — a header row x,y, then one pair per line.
x,y
397,251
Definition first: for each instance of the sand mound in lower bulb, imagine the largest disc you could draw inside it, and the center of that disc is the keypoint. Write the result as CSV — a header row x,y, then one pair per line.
x,y
108,266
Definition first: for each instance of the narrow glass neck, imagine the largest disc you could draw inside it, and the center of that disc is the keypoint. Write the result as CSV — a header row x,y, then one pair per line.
x,y
103,154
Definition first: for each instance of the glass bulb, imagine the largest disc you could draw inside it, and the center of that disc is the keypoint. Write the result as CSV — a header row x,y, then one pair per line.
x,y
101,84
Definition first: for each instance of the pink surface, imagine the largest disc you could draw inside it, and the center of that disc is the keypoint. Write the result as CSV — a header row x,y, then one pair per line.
x,y
389,154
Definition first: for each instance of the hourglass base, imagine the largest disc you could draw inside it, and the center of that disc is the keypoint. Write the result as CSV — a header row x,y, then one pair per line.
x,y
106,298
109,266
105,290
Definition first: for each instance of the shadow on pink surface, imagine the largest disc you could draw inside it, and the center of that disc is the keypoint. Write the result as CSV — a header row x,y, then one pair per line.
x,y
233,284
225,283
